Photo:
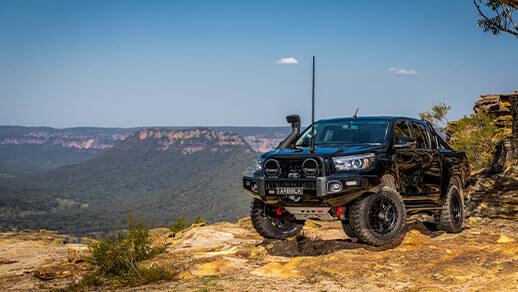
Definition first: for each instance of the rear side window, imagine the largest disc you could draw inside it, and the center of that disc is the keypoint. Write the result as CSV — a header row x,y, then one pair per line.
x,y
433,139
426,135
419,136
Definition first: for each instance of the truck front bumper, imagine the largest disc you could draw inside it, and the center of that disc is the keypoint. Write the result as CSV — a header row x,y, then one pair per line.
x,y
317,192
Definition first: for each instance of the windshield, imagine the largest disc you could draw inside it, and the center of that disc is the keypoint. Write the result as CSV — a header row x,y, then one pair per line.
x,y
346,132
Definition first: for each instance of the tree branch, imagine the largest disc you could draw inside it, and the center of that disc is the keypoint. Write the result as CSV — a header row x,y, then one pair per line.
x,y
497,25
511,3
507,11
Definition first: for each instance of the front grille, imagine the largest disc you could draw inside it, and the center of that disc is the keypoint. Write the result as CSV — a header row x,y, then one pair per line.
x,y
292,168
303,184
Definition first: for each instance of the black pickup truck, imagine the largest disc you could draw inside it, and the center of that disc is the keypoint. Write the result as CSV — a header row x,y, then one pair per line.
x,y
368,172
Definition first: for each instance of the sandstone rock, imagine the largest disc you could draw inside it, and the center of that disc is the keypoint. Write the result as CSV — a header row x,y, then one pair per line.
x,y
280,271
514,113
471,260
54,271
77,253
495,104
414,237
495,195
505,155
505,239
214,268
504,107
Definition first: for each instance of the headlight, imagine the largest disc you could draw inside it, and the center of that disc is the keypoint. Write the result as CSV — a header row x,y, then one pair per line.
x,y
355,162
259,164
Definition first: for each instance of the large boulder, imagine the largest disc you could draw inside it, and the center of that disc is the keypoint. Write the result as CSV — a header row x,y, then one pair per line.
x,y
494,192
505,155
495,195
503,107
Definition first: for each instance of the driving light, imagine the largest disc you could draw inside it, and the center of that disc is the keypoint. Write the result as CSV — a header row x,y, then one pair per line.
x,y
335,186
259,164
355,162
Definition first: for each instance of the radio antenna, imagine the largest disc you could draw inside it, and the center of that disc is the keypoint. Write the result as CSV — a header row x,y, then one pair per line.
x,y
312,149
356,114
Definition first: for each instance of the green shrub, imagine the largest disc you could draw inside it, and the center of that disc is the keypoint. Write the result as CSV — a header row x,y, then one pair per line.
x,y
117,259
181,223
477,136
437,116
119,254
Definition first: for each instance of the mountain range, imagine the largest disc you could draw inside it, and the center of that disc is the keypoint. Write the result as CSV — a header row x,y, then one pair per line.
x,y
30,150
159,173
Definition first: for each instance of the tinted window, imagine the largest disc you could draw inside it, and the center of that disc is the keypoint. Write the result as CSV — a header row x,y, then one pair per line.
x,y
347,131
419,136
431,136
426,135
401,129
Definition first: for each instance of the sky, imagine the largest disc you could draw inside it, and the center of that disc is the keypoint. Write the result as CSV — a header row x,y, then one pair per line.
x,y
242,63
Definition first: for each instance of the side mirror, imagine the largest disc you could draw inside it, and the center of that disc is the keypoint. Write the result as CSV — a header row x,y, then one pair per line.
x,y
404,142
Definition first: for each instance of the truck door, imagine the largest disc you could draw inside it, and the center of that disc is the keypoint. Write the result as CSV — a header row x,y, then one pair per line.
x,y
409,165
431,162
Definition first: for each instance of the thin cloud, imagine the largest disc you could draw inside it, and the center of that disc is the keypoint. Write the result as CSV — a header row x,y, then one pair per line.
x,y
403,71
289,60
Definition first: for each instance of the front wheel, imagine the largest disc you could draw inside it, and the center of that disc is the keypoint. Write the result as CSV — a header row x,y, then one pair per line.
x,y
271,225
378,219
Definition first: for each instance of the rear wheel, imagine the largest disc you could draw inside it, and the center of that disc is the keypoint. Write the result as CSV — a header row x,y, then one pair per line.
x,y
451,217
269,224
378,219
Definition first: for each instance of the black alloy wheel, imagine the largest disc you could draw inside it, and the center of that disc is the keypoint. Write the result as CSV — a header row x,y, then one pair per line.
x,y
378,219
281,221
272,224
382,215
456,209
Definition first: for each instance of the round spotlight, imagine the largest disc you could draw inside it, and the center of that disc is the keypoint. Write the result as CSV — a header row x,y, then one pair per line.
x,y
335,186
310,167
272,168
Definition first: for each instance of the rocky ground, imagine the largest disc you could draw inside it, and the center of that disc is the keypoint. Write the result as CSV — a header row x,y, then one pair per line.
x,y
227,256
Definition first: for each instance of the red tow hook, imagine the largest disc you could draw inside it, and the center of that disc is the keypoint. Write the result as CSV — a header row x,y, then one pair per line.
x,y
340,211
279,211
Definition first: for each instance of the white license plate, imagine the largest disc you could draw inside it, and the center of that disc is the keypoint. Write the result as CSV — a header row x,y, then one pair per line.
x,y
290,191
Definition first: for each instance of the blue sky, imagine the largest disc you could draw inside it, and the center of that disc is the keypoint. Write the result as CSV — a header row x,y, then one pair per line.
x,y
208,63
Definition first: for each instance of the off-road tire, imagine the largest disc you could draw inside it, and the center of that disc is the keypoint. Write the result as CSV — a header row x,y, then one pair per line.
x,y
451,217
363,215
346,226
264,225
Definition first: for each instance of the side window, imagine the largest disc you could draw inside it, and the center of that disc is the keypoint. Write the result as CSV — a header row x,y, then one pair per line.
x,y
433,139
426,135
401,129
418,136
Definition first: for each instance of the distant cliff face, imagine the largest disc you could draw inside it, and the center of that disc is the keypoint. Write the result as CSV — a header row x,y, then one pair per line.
x,y
190,141
80,138
260,139
262,144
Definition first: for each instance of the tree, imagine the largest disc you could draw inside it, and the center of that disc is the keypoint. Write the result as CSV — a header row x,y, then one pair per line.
x,y
477,136
436,115
502,16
